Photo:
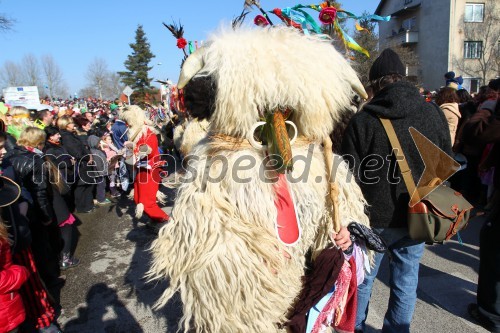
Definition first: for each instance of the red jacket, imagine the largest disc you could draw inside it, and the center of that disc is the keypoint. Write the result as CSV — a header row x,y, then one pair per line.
x,y
11,278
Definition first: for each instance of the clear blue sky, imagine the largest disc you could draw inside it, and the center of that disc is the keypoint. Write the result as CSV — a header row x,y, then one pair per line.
x,y
77,32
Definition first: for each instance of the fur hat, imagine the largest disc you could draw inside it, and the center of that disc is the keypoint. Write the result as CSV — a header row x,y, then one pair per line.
x,y
388,62
246,86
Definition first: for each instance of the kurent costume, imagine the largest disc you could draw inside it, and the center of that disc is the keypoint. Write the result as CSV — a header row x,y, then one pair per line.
x,y
236,219
146,158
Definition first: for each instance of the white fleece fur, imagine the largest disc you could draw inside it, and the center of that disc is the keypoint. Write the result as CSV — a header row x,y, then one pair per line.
x,y
220,250
194,132
257,69
220,244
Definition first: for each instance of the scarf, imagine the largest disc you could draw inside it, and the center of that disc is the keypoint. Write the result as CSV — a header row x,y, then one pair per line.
x,y
54,143
33,150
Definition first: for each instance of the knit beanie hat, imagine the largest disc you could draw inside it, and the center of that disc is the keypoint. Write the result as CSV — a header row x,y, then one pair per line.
x,y
449,75
494,84
387,63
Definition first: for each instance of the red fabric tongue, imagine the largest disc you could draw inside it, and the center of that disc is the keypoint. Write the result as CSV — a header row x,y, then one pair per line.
x,y
287,224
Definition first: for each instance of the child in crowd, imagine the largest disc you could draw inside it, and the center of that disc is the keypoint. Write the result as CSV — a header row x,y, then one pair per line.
x,y
113,156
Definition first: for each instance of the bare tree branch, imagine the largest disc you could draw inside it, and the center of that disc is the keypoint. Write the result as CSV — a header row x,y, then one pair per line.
x,y
11,74
53,77
97,74
31,70
6,23
488,32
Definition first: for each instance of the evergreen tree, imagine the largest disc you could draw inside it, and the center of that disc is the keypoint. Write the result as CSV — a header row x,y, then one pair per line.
x,y
137,65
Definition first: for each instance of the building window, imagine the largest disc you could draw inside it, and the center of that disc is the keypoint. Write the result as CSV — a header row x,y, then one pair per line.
x,y
473,50
410,24
471,84
474,12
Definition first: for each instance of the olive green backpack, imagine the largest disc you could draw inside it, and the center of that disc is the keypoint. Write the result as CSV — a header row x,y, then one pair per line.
x,y
435,212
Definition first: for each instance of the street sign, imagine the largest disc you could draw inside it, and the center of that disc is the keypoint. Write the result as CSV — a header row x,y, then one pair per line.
x,y
128,91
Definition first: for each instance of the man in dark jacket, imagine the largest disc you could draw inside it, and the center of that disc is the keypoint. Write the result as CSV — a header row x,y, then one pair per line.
x,y
367,149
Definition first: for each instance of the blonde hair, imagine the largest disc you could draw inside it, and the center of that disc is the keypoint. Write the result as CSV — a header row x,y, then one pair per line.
x,y
64,121
20,116
31,137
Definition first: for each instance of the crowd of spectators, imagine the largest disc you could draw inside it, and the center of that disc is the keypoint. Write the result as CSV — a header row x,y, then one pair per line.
x,y
67,159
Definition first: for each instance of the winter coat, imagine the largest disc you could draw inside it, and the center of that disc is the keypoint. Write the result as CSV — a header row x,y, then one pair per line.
x,y
118,133
110,153
99,157
466,111
17,224
365,141
58,155
15,131
484,128
81,153
453,115
12,277
31,175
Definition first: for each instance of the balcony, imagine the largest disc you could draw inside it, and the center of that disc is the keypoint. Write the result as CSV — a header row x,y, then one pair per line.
x,y
404,37
409,37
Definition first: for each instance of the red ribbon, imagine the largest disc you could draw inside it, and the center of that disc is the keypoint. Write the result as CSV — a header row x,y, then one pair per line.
x,y
289,22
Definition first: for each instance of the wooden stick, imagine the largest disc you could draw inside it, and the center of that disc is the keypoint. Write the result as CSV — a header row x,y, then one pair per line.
x,y
334,190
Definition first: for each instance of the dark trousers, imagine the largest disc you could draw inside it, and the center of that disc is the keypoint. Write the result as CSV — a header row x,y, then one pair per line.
x,y
488,286
84,197
67,235
100,189
45,246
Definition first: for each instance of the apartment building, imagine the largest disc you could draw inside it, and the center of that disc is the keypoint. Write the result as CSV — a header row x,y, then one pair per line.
x,y
446,35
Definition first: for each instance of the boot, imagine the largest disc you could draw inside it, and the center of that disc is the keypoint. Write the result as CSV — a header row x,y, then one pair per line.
x,y
68,261
114,192
52,328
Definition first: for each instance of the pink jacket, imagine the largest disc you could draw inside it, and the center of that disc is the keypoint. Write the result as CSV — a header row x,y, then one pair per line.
x,y
109,154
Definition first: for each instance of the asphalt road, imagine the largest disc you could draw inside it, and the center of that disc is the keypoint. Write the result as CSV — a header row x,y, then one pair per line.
x,y
107,292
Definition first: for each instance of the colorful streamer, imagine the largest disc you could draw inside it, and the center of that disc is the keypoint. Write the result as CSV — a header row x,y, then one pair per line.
x,y
298,18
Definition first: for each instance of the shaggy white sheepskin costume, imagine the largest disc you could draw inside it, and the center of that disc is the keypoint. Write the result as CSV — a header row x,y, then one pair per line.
x,y
146,185
220,250
188,134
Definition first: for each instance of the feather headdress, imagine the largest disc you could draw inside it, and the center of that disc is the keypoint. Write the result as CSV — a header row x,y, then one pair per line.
x,y
177,31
